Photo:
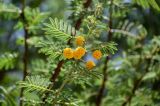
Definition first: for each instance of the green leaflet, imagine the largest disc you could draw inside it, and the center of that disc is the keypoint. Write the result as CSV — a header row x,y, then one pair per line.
x,y
59,29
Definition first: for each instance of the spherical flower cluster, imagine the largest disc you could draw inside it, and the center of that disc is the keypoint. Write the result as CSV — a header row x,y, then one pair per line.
x,y
80,40
97,54
90,64
79,53
68,53
76,54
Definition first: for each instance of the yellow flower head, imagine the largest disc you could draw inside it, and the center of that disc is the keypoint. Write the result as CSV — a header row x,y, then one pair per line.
x,y
79,52
68,53
90,65
80,40
97,54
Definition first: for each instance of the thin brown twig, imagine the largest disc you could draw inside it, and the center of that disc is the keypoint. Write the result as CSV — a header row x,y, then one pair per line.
x,y
105,75
60,64
25,56
79,21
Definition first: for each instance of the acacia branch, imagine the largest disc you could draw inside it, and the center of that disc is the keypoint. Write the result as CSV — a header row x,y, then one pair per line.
x,y
55,75
57,70
79,21
129,34
105,73
60,64
25,56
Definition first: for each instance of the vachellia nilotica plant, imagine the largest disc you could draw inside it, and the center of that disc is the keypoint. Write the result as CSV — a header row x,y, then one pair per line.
x,y
68,50
74,47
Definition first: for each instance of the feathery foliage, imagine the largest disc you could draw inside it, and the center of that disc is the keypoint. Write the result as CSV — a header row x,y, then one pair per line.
x,y
7,96
59,29
148,3
35,84
9,11
8,60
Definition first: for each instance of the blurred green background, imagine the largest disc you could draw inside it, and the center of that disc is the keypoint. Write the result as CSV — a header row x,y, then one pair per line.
x,y
121,65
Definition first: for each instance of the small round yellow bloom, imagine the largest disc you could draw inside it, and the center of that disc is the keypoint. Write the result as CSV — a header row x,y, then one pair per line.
x,y
68,53
79,52
80,40
90,65
97,54
76,55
